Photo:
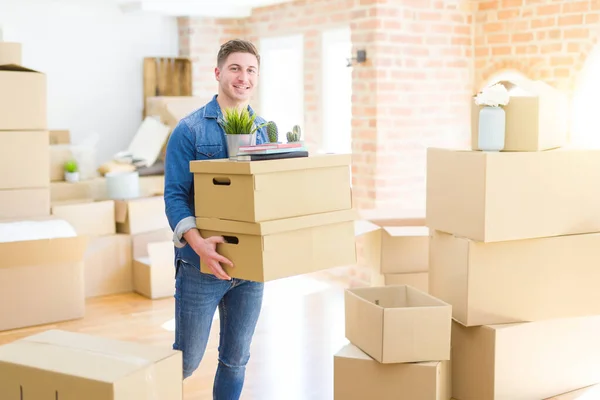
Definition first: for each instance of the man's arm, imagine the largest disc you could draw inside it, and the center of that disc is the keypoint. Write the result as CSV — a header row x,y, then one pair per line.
x,y
179,183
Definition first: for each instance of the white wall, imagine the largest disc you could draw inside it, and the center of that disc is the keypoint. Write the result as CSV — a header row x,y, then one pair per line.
x,y
93,55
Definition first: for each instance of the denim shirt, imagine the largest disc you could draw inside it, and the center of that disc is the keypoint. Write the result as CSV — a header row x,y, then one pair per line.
x,y
198,136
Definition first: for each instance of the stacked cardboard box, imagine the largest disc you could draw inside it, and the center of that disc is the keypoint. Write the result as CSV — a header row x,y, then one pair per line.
x,y
41,257
399,345
280,218
393,249
514,250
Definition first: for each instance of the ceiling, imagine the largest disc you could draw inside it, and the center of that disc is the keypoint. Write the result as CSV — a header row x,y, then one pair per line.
x,y
197,8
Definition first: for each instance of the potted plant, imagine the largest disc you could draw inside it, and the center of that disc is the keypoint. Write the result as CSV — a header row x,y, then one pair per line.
x,y
272,132
492,117
240,129
71,171
295,134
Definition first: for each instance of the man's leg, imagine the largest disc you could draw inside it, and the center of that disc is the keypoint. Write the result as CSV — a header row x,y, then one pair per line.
x,y
239,311
196,298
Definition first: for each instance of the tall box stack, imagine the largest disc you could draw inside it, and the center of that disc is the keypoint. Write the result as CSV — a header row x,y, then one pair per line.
x,y
279,218
399,345
24,143
41,257
513,249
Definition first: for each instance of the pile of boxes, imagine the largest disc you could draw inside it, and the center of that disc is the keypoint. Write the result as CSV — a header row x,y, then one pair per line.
x,y
514,249
279,218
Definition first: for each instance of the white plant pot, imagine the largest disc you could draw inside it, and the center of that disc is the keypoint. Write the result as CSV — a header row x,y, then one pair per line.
x,y
72,176
492,129
234,142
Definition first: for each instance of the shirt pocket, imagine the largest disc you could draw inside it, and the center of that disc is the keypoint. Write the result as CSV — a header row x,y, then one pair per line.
x,y
208,151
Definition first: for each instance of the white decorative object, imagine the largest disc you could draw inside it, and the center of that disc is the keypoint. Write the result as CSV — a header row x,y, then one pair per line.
x,y
123,185
234,142
72,176
492,118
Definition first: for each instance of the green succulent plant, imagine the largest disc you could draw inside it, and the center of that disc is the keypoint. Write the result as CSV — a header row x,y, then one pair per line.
x,y
71,166
239,122
295,134
272,132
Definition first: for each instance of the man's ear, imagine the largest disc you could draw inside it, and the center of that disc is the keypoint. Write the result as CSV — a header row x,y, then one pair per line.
x,y
217,73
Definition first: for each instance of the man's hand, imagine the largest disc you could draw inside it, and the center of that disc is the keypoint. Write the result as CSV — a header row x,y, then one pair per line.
x,y
207,250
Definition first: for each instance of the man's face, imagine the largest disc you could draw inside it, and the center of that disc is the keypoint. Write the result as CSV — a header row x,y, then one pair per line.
x,y
238,76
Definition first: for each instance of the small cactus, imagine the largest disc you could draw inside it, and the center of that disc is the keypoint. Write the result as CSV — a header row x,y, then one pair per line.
x,y
294,135
272,132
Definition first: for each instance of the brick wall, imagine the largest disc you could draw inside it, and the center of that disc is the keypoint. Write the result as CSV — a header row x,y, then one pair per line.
x,y
540,39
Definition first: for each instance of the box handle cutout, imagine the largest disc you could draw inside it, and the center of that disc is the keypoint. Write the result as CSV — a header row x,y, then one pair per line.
x,y
376,302
231,239
221,181
21,390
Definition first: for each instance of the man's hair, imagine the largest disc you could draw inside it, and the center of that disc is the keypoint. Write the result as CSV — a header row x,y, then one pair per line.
x,y
236,46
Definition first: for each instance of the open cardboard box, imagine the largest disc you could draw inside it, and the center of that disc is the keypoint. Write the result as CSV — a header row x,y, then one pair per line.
x,y
60,365
536,117
144,214
258,191
89,218
356,376
22,99
153,264
282,248
398,324
499,196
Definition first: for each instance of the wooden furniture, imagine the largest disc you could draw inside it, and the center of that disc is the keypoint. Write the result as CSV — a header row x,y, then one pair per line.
x,y
167,76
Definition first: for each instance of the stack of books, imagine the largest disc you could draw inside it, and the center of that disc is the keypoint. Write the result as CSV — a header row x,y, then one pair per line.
x,y
272,151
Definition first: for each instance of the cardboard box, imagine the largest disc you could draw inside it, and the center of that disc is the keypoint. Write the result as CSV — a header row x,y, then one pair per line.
x,y
368,250
24,159
10,53
108,265
60,136
24,203
404,249
91,218
71,191
418,280
356,376
266,251
154,264
398,324
171,109
42,281
536,117
144,214
516,281
525,361
270,190
22,99
65,365
493,197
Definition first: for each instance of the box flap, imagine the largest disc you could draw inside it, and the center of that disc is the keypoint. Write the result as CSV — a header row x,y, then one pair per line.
x,y
161,253
43,251
362,227
226,166
526,87
80,355
275,226
16,68
121,211
409,231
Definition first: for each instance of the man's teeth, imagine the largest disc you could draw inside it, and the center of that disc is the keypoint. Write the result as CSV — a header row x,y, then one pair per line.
x,y
240,87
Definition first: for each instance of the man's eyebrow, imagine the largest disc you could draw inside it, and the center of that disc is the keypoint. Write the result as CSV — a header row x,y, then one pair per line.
x,y
237,65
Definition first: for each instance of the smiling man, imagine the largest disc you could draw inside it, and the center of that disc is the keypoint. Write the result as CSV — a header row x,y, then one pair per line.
x,y
199,136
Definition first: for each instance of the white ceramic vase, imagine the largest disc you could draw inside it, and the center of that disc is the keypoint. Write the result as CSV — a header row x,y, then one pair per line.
x,y
72,176
234,142
492,129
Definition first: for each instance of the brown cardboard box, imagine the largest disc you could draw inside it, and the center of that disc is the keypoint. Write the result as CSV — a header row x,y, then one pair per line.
x,y
10,53
108,265
24,203
91,218
536,117
66,365
357,376
398,324
153,264
60,137
170,109
418,280
144,214
266,251
71,191
42,281
404,249
525,361
516,281
368,249
22,99
24,159
270,190
492,197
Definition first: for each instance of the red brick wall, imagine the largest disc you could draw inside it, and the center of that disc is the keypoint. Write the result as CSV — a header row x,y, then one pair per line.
x,y
540,39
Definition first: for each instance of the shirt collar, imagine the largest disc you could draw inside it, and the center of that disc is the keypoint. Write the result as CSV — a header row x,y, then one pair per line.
x,y
213,110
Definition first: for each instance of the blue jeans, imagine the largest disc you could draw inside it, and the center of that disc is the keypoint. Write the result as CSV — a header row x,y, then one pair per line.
x,y
197,296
